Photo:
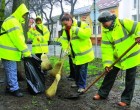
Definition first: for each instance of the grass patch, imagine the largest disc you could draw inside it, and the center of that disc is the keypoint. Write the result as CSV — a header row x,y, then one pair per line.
x,y
94,67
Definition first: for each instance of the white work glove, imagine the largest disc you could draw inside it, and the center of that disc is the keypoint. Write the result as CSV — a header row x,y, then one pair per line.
x,y
66,52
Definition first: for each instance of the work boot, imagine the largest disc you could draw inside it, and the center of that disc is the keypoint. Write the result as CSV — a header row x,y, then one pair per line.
x,y
122,104
16,93
80,90
98,97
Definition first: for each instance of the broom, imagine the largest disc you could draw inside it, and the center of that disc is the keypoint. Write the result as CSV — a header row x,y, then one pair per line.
x,y
51,91
56,72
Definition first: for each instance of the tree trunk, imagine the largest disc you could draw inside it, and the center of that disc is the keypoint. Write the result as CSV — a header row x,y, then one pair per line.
x,y
2,5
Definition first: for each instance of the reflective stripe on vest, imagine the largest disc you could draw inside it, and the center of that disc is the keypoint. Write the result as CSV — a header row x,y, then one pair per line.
x,y
9,48
39,45
131,55
10,30
12,48
125,33
25,50
73,38
83,53
108,61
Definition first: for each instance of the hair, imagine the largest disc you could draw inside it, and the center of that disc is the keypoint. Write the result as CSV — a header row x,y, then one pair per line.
x,y
66,17
38,19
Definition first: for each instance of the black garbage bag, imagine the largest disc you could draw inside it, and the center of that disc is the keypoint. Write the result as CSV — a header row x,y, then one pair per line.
x,y
34,76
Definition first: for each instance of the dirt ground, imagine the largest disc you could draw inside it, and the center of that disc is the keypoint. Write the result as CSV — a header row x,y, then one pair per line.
x,y
59,102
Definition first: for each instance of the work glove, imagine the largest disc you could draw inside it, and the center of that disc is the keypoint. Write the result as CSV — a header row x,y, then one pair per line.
x,y
66,52
138,40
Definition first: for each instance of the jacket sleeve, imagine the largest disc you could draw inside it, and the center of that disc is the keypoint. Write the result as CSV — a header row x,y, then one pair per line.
x,y
17,38
83,32
132,26
107,51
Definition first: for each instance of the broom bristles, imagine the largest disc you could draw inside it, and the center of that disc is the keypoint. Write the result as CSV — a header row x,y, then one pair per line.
x,y
56,69
45,64
51,91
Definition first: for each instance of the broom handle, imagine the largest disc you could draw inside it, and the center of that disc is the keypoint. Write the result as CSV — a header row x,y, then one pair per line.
x,y
64,56
60,54
110,67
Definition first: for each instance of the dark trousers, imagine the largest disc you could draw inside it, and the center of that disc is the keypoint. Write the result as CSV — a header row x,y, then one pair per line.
x,y
81,75
109,80
72,72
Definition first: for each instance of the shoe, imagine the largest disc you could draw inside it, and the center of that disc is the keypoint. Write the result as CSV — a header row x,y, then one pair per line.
x,y
97,97
74,86
16,93
81,90
122,104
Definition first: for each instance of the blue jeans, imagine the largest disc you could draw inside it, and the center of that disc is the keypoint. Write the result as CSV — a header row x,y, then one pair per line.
x,y
10,68
81,75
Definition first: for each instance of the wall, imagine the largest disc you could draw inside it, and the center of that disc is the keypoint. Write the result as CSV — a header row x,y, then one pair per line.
x,y
126,9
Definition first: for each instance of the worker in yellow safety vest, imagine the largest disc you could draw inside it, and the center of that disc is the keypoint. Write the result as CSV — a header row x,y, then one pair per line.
x,y
76,40
39,35
117,36
12,47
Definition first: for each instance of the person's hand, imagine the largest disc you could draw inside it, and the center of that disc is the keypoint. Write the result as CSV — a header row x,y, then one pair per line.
x,y
138,40
107,69
66,52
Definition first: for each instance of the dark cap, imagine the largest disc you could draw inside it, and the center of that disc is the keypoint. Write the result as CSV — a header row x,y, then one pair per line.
x,y
106,16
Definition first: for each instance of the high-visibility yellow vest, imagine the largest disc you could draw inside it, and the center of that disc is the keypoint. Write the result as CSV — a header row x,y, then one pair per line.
x,y
80,41
117,41
42,45
12,44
